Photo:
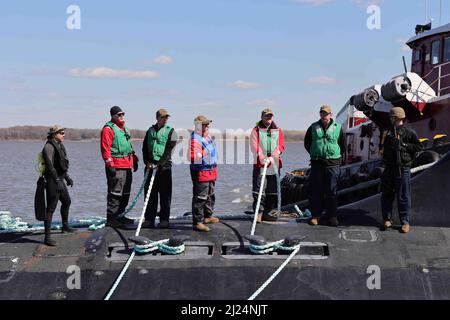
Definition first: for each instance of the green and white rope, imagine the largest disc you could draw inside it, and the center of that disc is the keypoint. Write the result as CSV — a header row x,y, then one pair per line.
x,y
270,247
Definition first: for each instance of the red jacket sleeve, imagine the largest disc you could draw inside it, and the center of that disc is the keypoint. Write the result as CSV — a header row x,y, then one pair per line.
x,y
106,142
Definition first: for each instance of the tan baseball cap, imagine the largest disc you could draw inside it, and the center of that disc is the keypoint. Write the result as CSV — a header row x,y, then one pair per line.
x,y
162,113
267,111
326,109
203,120
398,112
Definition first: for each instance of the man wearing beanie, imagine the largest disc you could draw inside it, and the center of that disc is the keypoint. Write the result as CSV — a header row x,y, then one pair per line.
x,y
118,154
400,146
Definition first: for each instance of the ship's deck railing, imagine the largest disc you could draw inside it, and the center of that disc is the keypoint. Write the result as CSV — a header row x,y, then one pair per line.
x,y
439,77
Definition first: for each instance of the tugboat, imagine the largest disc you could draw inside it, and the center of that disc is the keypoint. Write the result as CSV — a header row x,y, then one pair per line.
x,y
353,261
424,94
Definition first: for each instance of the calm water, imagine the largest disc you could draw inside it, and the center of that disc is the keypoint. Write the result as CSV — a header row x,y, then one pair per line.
x,y
18,180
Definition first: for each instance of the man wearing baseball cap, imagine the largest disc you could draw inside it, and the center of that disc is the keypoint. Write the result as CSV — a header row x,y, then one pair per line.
x,y
204,173
325,142
267,145
157,149
120,159
400,146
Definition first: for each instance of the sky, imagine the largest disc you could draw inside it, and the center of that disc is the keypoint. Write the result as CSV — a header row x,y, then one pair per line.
x,y
225,59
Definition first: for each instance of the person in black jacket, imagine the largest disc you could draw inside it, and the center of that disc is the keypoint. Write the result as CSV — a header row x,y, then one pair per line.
x,y
157,148
56,168
400,147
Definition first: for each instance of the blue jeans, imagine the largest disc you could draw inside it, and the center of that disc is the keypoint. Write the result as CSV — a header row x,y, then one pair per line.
x,y
396,182
323,183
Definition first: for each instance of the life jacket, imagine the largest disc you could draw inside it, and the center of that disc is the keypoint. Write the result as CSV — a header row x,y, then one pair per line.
x,y
157,141
325,145
209,158
121,145
268,140
60,160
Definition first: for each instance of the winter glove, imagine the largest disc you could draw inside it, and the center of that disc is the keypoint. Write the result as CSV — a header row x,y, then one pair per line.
x,y
69,181
135,163
111,171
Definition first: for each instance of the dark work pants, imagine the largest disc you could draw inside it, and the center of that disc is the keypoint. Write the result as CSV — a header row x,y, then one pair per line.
x,y
119,188
269,198
323,190
53,196
203,199
396,182
162,186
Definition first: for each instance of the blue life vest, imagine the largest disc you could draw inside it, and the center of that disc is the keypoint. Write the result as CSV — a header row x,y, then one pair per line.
x,y
209,160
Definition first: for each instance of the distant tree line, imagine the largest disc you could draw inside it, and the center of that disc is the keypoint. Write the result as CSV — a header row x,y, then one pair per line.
x,y
40,133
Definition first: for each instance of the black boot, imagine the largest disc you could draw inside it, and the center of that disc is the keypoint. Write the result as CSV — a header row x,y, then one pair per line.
x,y
65,221
66,228
47,240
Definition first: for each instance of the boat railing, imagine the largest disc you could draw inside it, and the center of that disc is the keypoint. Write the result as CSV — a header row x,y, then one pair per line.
x,y
439,78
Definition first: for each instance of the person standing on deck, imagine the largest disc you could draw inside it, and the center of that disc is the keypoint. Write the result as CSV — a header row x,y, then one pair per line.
x,y
56,172
157,148
267,145
118,154
325,142
400,147
204,173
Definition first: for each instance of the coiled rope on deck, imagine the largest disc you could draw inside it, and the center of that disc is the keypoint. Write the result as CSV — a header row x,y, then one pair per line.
x,y
271,247
161,245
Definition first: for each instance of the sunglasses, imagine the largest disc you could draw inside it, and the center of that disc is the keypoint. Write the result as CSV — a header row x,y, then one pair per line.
x,y
121,114
62,133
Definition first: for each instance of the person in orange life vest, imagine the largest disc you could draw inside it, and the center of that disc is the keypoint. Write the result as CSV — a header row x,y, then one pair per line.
x,y
118,154
267,145
204,173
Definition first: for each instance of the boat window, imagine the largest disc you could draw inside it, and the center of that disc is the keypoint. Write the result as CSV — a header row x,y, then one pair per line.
x,y
447,50
417,55
435,52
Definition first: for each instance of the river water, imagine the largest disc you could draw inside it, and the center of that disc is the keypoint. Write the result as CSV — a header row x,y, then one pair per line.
x,y
18,178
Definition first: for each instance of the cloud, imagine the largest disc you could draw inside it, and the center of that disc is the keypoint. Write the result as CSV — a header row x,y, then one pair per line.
x,y
262,103
323,80
240,84
163,60
103,72
207,104
313,2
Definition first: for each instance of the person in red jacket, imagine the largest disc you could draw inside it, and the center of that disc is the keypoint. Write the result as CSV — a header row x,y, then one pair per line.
x,y
118,154
267,145
204,173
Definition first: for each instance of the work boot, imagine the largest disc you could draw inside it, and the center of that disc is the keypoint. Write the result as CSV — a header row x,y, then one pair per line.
x,y
148,224
210,220
314,221
334,222
405,228
201,227
66,228
47,239
387,224
268,217
164,224
114,223
125,220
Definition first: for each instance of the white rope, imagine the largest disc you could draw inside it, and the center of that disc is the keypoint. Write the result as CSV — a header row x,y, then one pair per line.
x,y
273,276
424,167
130,259
258,203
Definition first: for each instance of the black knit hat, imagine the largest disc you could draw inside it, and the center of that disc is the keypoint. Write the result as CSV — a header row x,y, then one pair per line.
x,y
115,110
